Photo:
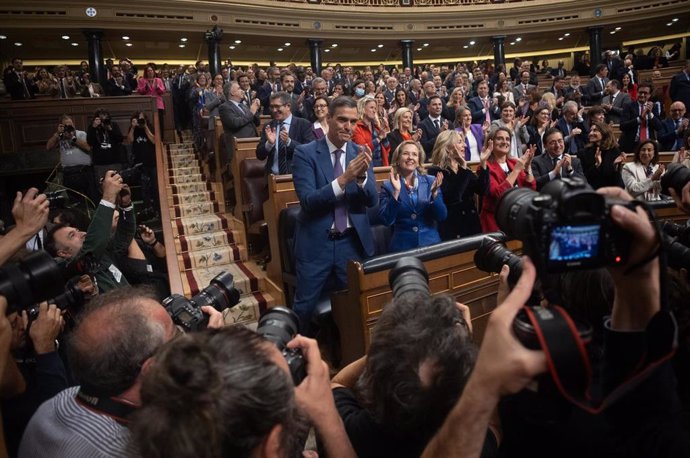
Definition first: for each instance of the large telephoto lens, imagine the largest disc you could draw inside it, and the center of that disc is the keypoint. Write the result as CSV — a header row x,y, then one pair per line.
x,y
220,293
492,254
676,177
278,325
409,276
512,212
33,280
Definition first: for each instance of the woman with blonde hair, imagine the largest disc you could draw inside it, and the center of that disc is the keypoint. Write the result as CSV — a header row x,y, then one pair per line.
x,y
411,201
371,132
459,185
403,129
455,102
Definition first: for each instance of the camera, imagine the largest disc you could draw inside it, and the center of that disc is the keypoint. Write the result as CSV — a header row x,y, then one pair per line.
x,y
676,177
547,317
676,239
68,129
131,174
56,199
39,277
568,226
280,325
71,301
220,294
409,276
141,122
678,231
492,254
106,121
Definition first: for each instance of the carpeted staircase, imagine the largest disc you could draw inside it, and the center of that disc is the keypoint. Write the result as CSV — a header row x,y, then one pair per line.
x,y
208,240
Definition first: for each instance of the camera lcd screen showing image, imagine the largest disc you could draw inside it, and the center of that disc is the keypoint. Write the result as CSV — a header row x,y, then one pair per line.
x,y
574,243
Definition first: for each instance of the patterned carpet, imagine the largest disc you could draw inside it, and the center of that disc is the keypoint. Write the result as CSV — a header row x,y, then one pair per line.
x,y
209,241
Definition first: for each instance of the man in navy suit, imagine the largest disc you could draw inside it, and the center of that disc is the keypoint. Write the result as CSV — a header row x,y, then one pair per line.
x,y
640,120
282,135
433,124
483,107
335,185
675,128
556,163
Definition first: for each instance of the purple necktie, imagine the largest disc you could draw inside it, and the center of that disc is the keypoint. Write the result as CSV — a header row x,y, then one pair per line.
x,y
340,212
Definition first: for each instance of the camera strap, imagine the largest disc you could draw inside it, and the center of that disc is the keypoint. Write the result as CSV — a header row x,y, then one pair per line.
x,y
109,407
569,365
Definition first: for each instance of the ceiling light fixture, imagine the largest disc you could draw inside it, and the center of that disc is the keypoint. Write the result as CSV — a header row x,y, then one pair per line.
x,y
238,42
288,44
182,45
326,50
425,44
472,43
125,37
3,37
613,32
618,28
183,39
380,46
75,44
65,37
512,43
559,39
567,34
669,24
518,39
675,19
129,44
231,47
334,45
465,47
280,49
419,49
16,43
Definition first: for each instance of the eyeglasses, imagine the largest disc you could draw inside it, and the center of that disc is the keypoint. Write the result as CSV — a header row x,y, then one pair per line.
x,y
276,107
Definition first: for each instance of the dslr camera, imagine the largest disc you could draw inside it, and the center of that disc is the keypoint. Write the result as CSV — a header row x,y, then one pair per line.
x,y
219,294
409,276
280,325
565,227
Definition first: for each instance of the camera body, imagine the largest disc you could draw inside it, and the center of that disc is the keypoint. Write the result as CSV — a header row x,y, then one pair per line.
x,y
220,294
568,226
56,199
141,122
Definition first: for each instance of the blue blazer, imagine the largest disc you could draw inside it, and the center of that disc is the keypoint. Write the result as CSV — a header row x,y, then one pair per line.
x,y
476,107
413,225
312,173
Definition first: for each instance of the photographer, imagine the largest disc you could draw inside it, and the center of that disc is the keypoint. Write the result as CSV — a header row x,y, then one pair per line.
x,y
109,351
30,213
75,158
143,142
144,261
228,393
645,420
96,244
105,139
36,353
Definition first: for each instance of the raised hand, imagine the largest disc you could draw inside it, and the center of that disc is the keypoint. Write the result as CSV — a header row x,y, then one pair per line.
x,y
486,126
436,185
488,149
284,136
395,181
659,171
417,135
30,211
620,160
597,157
270,134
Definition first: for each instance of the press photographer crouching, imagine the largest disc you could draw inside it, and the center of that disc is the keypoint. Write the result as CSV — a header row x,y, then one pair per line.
x,y
96,244
109,351
394,399
233,392
631,391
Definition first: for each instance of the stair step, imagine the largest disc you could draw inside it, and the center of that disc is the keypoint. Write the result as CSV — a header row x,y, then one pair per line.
x,y
195,198
250,308
213,257
200,225
206,241
196,209
246,280
190,187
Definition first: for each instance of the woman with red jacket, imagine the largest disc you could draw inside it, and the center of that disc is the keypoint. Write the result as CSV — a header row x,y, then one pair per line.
x,y
505,172
371,131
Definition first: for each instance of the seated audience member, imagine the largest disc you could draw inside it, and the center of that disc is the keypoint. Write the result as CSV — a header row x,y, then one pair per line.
x,y
483,107
641,177
105,138
320,126
538,125
393,400
228,392
459,185
75,158
505,172
109,350
644,420
675,128
143,144
682,156
433,124
614,101
401,100
411,201
319,88
574,91
371,131
282,135
555,163
95,244
89,88
640,120
601,159
403,130
573,128
474,134
517,128
117,85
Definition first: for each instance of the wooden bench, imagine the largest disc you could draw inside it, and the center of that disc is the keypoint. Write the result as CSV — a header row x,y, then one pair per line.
x,y
244,148
451,270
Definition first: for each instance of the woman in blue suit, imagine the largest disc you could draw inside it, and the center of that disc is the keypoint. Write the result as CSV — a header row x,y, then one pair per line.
x,y
411,201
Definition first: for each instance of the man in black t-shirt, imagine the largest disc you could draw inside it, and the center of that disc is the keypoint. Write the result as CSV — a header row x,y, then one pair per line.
x,y
143,144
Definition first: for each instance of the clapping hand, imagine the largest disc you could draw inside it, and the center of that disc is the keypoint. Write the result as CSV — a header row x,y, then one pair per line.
x,y
270,134
659,171
597,157
284,136
486,153
436,185
486,126
395,182
620,160
417,135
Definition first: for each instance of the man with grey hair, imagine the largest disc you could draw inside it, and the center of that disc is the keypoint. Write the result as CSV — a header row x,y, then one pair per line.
x,y
238,119
319,88
573,128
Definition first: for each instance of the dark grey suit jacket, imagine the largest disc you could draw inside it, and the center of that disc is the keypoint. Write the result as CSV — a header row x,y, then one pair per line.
x,y
543,164
237,122
300,133
614,115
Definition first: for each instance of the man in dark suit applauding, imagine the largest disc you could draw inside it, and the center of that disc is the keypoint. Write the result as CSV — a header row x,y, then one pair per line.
x,y
282,135
556,163
238,120
335,185
614,101
640,120
596,87
432,125
483,107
